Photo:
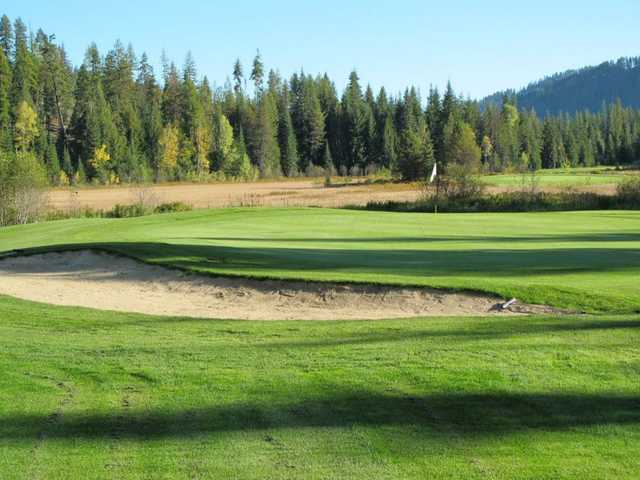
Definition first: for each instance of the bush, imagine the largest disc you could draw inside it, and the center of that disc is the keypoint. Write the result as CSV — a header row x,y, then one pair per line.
x,y
504,202
628,193
127,211
460,185
172,207
140,209
22,188
315,171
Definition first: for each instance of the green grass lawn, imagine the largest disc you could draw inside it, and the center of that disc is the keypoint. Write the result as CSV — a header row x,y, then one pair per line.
x,y
588,261
93,394
90,394
570,177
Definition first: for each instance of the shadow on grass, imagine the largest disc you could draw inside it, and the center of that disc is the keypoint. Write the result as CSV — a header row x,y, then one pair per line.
x,y
493,330
265,261
432,415
571,238
479,270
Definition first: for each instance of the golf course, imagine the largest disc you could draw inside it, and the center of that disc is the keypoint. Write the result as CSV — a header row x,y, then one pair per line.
x,y
92,393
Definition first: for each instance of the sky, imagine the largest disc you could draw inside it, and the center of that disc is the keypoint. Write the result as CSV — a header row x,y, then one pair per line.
x,y
480,46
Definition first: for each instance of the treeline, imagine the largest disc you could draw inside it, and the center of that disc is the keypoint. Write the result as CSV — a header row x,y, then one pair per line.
x,y
585,89
113,120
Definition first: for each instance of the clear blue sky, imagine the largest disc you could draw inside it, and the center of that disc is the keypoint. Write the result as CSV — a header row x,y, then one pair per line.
x,y
481,46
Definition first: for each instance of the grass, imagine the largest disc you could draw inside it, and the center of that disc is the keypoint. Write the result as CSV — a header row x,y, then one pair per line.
x,y
90,394
587,261
569,177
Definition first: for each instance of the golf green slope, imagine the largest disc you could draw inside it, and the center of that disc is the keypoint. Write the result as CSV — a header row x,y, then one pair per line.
x,y
587,261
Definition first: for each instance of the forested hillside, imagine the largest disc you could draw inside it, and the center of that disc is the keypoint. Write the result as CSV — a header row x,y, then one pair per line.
x,y
576,90
113,119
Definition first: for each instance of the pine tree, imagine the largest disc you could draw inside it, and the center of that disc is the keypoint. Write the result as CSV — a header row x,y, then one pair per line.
x,y
268,150
52,162
327,160
355,124
24,81
257,74
330,107
286,137
6,37
389,158
150,112
6,140
237,76
417,154
552,152
437,115
172,101
240,167
309,122
67,166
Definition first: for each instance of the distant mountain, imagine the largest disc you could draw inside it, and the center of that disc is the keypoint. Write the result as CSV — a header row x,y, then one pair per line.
x,y
584,89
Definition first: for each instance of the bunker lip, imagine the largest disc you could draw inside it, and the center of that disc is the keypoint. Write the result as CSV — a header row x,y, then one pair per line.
x,y
99,280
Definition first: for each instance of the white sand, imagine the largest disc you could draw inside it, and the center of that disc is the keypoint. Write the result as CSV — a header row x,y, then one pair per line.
x,y
110,282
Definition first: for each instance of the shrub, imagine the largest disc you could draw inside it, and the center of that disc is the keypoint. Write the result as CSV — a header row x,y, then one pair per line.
x,y
22,184
127,211
629,193
504,202
172,207
460,185
315,171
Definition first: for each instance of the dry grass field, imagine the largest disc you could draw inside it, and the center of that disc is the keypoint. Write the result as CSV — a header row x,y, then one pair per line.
x,y
304,192
285,193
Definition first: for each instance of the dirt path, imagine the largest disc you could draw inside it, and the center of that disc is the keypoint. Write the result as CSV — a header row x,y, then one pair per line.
x,y
109,282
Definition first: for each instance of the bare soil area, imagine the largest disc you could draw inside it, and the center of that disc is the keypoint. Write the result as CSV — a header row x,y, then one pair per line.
x,y
109,282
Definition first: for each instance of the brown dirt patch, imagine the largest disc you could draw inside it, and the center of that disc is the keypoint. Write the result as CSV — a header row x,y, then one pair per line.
x,y
109,282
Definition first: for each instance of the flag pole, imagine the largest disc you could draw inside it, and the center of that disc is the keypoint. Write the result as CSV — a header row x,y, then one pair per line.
x,y
434,175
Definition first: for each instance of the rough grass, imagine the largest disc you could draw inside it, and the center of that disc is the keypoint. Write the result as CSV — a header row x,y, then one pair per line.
x,y
578,260
90,394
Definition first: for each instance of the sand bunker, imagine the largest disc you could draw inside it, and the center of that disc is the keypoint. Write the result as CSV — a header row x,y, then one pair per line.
x,y
110,282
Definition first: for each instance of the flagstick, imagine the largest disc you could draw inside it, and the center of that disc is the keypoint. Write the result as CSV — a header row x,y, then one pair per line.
x,y
435,166
436,177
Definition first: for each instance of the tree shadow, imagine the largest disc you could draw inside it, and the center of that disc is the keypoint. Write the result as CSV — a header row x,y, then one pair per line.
x,y
486,330
463,414
592,237
267,261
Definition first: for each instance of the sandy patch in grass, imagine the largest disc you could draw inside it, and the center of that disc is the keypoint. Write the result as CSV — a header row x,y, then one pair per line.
x,y
110,282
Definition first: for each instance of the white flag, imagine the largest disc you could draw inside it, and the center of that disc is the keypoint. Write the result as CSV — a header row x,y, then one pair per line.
x,y
434,172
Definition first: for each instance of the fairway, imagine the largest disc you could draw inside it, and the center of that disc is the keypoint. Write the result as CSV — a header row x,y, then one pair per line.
x,y
585,261
88,394
102,394
596,179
